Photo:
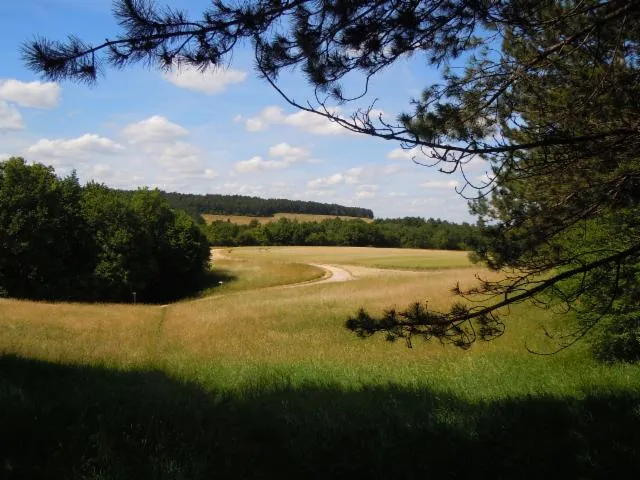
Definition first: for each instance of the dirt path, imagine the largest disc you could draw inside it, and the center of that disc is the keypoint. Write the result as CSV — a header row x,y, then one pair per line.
x,y
333,273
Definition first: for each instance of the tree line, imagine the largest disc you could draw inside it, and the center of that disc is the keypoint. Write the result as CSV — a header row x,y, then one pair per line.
x,y
64,241
409,232
196,205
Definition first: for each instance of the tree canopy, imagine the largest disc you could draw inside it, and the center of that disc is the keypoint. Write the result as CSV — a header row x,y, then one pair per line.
x,y
61,241
549,98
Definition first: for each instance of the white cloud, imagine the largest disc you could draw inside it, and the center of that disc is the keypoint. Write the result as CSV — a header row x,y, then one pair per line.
x,y
161,144
30,94
285,154
440,184
407,154
73,149
397,194
10,118
366,191
365,194
350,177
257,163
288,153
210,173
210,81
156,129
334,179
101,169
307,121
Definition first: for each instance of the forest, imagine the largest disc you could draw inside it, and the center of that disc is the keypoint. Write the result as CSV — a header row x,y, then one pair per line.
x,y
255,206
64,241
408,232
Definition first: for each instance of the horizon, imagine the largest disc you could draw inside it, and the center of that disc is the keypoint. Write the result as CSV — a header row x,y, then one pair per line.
x,y
223,131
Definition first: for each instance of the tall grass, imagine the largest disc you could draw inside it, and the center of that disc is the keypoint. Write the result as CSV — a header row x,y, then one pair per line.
x,y
395,258
266,383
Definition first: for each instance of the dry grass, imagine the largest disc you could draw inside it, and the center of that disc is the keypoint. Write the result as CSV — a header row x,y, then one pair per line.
x,y
305,323
251,326
242,275
300,217
245,324
80,333
242,383
402,258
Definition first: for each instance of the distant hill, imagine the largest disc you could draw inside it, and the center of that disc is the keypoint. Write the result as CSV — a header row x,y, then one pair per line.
x,y
257,207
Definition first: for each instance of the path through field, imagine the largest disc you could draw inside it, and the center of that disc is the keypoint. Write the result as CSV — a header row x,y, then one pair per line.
x,y
332,274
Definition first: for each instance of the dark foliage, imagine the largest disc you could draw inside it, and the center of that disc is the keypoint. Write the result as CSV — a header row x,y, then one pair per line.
x,y
62,241
407,232
255,206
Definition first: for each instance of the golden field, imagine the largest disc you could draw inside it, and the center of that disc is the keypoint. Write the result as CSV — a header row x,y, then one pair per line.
x,y
251,319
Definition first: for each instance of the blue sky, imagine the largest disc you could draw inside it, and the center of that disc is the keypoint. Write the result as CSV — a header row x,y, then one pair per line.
x,y
224,131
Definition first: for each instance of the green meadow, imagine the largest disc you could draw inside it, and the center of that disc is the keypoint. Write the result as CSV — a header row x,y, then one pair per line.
x,y
259,380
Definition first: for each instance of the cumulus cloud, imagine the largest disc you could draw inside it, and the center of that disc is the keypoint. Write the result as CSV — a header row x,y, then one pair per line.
x,y
282,155
79,148
288,153
366,191
10,118
307,121
257,163
210,81
30,94
349,177
156,129
334,179
162,145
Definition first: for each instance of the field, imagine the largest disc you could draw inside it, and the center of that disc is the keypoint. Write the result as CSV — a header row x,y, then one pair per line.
x,y
394,258
261,380
300,217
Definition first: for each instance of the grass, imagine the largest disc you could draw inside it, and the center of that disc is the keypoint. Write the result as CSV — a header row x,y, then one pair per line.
x,y
300,217
395,258
266,383
242,275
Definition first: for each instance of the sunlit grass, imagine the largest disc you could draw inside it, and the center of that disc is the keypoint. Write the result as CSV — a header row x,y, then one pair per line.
x,y
401,258
256,382
236,275
244,330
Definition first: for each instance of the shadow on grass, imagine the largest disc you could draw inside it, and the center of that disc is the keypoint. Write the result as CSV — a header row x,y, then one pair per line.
x,y
72,422
214,279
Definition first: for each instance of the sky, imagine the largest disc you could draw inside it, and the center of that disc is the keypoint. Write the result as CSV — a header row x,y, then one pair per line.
x,y
222,131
